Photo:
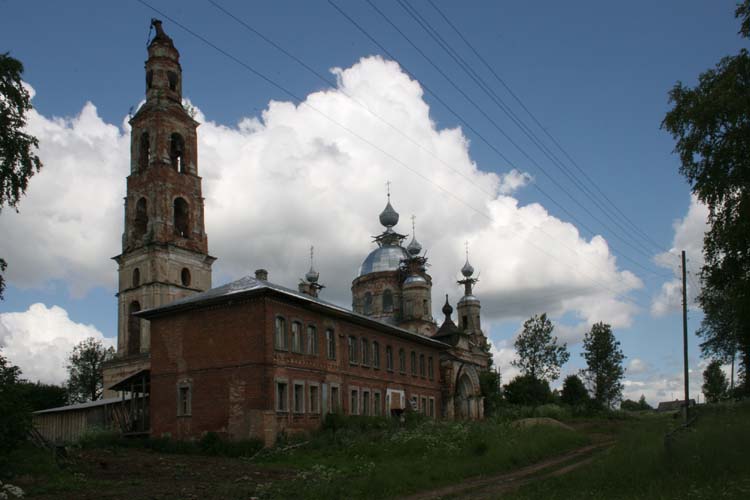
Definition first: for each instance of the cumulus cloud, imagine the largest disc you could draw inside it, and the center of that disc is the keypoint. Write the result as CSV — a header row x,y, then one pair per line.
x,y
299,175
637,366
688,236
40,339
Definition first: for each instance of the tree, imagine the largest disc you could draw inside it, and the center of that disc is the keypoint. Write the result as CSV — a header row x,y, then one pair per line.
x,y
711,124
15,418
640,405
574,392
40,396
715,383
17,159
539,354
604,371
489,383
86,382
527,390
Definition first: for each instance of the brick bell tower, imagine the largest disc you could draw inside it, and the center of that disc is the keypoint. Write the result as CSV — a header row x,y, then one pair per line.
x,y
164,246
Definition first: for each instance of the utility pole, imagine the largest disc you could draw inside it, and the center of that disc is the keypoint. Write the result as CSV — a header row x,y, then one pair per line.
x,y
685,338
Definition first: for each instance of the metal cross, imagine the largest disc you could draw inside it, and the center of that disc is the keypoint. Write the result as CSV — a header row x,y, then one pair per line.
x,y
388,188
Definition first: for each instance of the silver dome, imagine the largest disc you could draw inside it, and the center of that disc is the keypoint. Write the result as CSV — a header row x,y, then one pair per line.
x,y
467,270
389,217
414,279
312,275
414,247
385,258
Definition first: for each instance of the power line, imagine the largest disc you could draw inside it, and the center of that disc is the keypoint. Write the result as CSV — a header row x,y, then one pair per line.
x,y
544,129
370,143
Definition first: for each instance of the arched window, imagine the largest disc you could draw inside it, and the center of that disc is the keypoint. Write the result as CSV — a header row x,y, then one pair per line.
x,y
172,78
422,369
181,218
387,301
389,358
401,361
368,304
312,340
280,335
136,277
353,350
331,344
140,224
134,329
426,308
375,355
177,152
185,276
365,352
413,363
430,368
144,152
297,343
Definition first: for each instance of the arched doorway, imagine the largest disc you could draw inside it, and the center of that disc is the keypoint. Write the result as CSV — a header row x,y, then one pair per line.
x,y
461,400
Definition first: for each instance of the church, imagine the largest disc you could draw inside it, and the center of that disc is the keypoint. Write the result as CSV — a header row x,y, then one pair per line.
x,y
252,358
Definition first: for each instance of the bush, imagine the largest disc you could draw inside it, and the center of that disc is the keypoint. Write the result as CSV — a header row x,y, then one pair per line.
x,y
574,393
527,390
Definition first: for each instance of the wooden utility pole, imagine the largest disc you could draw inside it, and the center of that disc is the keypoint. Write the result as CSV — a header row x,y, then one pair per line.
x,y
685,338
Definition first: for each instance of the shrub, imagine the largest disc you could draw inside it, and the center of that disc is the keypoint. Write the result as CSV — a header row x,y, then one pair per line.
x,y
527,390
574,393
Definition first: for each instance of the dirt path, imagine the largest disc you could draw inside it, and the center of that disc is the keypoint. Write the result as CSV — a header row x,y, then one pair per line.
x,y
492,486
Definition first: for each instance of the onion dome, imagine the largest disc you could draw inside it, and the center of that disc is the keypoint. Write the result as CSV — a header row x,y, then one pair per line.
x,y
312,275
468,269
385,258
447,308
389,217
414,247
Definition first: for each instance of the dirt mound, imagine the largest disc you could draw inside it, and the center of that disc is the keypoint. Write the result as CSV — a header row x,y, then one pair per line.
x,y
531,422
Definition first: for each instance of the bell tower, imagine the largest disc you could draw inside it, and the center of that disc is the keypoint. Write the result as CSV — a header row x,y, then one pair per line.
x,y
164,245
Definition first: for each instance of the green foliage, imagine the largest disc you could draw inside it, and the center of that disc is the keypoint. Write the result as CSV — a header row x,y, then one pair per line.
x,y
539,354
489,382
40,396
527,390
15,418
640,405
711,124
604,371
715,383
86,382
574,393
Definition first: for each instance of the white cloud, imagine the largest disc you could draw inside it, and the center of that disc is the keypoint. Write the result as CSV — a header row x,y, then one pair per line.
x,y
637,366
274,185
688,236
40,339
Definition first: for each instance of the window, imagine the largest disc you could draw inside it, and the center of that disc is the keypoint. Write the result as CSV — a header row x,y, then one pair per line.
x,y
149,79
331,344
365,352
375,355
299,397
144,152
365,402
136,277
172,78
177,152
335,402
389,358
354,402
402,361
280,336
409,309
184,400
426,308
185,276
432,407
430,368
376,406
312,340
181,218
352,350
422,370
423,409
465,321
314,399
368,303
413,363
140,224
387,301
134,329
296,336
282,396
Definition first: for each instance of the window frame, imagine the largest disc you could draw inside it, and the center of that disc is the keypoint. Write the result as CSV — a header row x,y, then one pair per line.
x,y
353,400
330,344
353,350
281,403
389,358
298,346
313,399
402,361
422,366
430,368
280,335
413,363
376,355
365,346
185,386
312,340
298,409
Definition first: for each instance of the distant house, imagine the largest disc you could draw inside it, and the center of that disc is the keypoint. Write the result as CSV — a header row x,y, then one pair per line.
x,y
675,405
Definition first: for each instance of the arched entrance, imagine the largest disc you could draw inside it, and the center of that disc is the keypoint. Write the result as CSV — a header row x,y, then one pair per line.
x,y
461,400
467,396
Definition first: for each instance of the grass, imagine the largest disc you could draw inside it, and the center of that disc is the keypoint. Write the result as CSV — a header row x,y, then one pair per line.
x,y
705,461
367,460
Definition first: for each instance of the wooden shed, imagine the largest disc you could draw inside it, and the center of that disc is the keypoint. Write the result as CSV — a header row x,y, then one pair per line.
x,y
66,424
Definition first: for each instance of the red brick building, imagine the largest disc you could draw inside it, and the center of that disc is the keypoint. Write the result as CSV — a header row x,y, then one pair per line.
x,y
253,358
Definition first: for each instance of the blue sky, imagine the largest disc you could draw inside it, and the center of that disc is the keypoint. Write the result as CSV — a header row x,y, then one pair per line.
x,y
594,74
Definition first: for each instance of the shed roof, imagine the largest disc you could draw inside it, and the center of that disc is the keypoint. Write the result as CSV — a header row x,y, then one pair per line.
x,y
82,406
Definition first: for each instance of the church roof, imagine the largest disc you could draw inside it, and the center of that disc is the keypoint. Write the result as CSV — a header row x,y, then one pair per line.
x,y
249,286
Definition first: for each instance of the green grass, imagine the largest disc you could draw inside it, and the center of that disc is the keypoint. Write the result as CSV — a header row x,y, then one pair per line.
x,y
706,461
371,461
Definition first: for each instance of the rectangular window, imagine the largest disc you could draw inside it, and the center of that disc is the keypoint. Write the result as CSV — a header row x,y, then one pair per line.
x,y
184,400
282,396
353,350
389,358
365,353
334,402
422,369
375,355
354,402
314,399
432,407
297,343
423,409
299,397
365,402
430,368
312,340
402,361
331,344
280,337
376,405
414,364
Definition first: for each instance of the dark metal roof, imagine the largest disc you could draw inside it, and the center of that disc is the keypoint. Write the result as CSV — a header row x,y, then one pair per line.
x,y
249,285
82,406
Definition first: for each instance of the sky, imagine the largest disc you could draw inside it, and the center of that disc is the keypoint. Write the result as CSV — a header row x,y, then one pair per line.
x,y
529,130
